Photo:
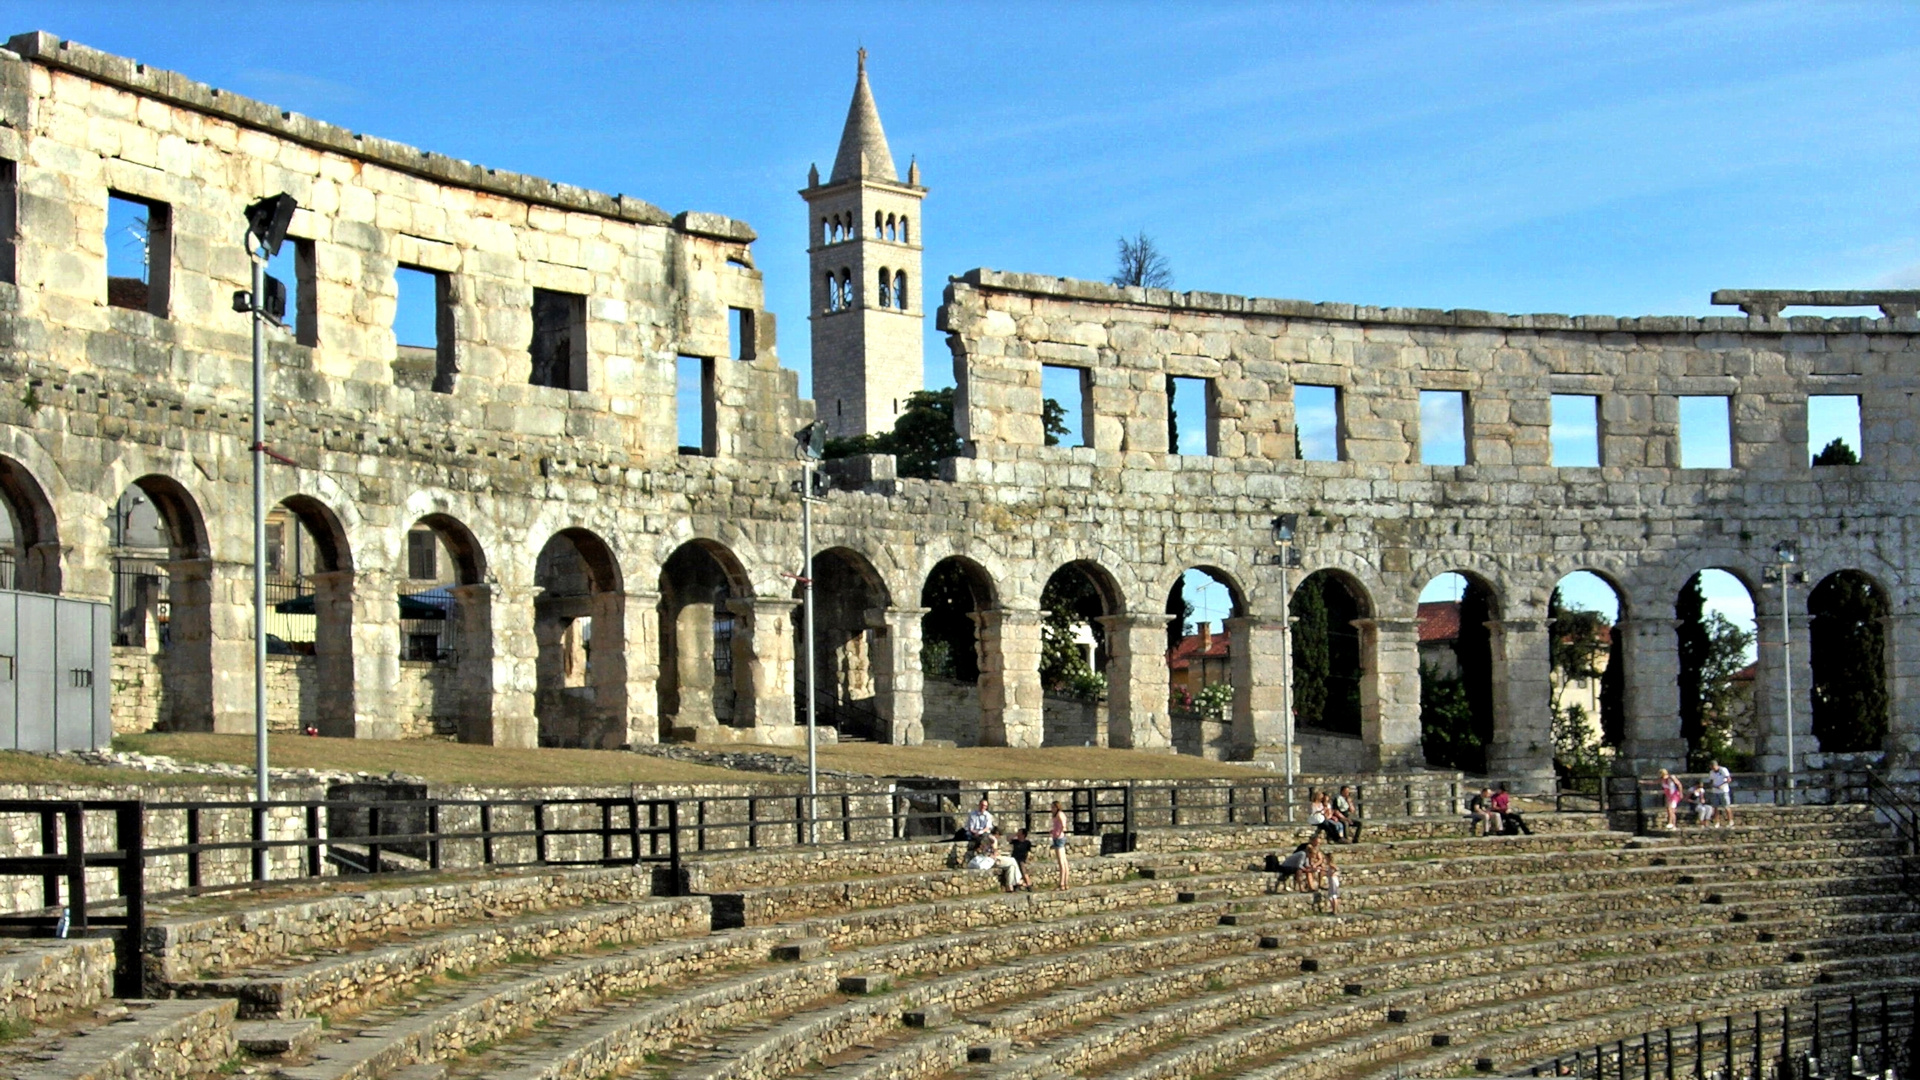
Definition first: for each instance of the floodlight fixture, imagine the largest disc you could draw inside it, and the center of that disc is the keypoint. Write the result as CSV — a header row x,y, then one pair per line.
x,y
267,221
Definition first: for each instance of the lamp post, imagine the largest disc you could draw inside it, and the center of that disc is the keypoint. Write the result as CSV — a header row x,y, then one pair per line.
x,y
1286,558
267,222
1785,555
809,439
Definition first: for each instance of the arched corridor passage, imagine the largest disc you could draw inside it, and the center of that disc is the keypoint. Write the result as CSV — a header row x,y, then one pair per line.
x,y
1457,671
706,647
1204,609
1075,606
310,598
580,671
162,604
850,636
1586,674
1847,636
29,535
957,595
1715,673
1332,659
445,633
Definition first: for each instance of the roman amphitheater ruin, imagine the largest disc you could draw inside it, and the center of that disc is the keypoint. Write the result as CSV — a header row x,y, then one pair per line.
x,y
572,570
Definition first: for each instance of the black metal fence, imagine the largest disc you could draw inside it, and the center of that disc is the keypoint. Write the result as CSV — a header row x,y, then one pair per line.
x,y
1855,1036
99,863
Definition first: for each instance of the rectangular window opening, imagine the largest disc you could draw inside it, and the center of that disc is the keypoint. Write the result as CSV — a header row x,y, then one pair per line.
x,y
9,221
1706,432
740,333
695,414
139,242
1575,431
1443,427
1190,416
1833,430
559,346
1318,424
293,267
422,323
1066,411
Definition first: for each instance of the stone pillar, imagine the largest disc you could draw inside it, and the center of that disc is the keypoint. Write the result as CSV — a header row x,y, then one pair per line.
x,y
765,652
1390,693
1011,701
1137,689
640,649
898,683
1256,661
356,653
209,676
494,633
1650,649
39,572
1770,691
1522,700
693,664
1903,688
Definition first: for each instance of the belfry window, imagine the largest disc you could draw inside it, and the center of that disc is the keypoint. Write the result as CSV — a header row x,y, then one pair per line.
x,y
900,290
886,288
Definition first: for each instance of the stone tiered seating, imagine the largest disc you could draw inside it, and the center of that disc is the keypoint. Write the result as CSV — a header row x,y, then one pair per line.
x,y
878,962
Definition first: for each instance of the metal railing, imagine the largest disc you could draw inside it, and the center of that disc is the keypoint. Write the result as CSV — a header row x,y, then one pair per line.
x,y
229,845
1854,1036
1899,811
1640,795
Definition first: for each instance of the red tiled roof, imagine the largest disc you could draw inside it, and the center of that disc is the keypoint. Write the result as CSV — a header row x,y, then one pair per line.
x,y
1183,654
1439,621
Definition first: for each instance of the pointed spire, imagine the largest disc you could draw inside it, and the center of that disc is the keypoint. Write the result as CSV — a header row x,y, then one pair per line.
x,y
863,145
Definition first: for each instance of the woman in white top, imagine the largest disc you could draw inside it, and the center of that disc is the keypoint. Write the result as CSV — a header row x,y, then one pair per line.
x,y
987,856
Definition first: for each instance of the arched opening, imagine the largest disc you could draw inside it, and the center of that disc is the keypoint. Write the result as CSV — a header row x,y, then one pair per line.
x,y
1329,661
1456,671
30,543
1074,654
905,236
1200,684
826,231
879,226
1848,638
309,620
1716,633
704,679
846,289
957,590
578,628
892,227
1586,674
885,288
162,596
900,290
833,292
446,633
849,607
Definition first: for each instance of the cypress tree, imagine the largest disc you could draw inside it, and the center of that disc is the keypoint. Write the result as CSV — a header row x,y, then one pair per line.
x,y
1311,654
1849,663
1695,647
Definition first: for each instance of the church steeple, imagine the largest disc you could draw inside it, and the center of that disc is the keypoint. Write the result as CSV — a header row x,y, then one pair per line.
x,y
869,302
863,140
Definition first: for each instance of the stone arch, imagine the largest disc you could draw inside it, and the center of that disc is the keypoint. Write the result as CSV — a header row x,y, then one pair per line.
x,y
1586,670
906,237
580,670
851,663
1462,667
706,642
310,624
1714,671
833,292
1076,605
900,289
30,550
957,593
445,632
885,288
846,289
1330,659
162,601
1847,642
1200,656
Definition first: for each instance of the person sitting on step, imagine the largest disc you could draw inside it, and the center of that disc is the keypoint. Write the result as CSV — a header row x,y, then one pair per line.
x,y
1513,822
1481,814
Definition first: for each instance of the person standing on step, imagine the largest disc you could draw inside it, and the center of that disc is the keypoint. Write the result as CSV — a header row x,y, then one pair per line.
x,y
1670,792
1720,791
1349,811
1333,887
1057,838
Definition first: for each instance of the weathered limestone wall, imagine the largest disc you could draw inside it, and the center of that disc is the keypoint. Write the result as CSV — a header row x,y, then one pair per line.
x,y
503,470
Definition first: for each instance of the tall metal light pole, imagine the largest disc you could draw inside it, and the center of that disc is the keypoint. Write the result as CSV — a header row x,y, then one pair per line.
x,y
809,439
1786,555
1286,559
267,222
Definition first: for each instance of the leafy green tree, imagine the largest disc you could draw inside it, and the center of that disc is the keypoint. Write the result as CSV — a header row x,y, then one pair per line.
x,y
1448,733
1312,660
921,437
1836,452
1849,646
1068,601
1715,704
1053,421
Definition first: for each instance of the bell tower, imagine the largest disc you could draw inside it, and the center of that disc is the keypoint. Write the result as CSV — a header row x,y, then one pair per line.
x,y
868,299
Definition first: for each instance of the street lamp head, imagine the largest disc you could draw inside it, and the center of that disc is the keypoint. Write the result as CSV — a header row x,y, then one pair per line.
x,y
1283,528
1785,552
809,440
267,221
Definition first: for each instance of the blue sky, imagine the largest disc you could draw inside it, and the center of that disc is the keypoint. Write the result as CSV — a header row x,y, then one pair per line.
x,y
1619,158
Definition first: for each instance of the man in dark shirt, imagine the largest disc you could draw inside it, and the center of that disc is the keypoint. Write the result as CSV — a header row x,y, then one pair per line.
x,y
1020,848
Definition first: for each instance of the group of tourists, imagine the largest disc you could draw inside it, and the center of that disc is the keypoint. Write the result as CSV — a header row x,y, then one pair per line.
x,y
987,849
1491,813
1710,799
1337,817
1309,868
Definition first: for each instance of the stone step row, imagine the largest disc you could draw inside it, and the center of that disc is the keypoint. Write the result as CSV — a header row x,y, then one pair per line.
x,y
145,1040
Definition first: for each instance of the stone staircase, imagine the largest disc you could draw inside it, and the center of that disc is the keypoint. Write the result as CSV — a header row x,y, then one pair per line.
x,y
878,962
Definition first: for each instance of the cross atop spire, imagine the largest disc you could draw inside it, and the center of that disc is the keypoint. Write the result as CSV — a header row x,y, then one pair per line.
x,y
863,142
